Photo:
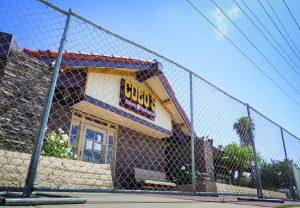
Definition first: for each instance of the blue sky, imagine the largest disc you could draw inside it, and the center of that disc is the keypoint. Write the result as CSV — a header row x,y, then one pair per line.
x,y
175,30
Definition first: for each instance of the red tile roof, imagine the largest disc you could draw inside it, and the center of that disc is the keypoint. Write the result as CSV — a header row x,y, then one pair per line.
x,y
85,56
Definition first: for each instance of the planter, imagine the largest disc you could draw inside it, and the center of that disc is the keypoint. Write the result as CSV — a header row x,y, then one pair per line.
x,y
201,186
184,187
53,172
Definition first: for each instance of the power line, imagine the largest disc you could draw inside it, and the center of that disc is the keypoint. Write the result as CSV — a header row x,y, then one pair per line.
x,y
278,29
289,83
267,39
291,14
244,54
269,34
282,26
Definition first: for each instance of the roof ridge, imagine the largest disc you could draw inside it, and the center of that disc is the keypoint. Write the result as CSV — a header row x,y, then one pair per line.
x,y
84,55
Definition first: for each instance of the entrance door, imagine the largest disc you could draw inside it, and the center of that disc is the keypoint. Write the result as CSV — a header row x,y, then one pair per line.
x,y
94,144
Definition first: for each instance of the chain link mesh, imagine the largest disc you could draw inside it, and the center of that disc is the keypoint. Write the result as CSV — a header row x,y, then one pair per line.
x,y
23,82
273,166
122,117
224,141
292,144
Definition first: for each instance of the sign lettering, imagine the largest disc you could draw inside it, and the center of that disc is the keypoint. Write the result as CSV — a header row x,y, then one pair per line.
x,y
137,99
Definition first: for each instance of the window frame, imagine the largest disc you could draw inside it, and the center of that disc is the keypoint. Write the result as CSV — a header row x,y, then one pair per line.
x,y
82,120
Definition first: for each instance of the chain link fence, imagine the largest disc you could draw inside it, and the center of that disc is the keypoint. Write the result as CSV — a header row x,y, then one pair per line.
x,y
23,82
122,118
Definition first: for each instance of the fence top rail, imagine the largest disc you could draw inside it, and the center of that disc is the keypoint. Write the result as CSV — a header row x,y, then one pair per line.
x,y
54,7
160,56
273,122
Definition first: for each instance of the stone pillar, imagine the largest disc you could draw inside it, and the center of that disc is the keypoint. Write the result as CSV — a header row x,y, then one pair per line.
x,y
208,158
209,181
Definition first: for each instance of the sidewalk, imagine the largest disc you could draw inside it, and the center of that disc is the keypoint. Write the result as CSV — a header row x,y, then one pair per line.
x,y
109,200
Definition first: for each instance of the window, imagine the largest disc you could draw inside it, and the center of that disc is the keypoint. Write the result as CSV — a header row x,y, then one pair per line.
x,y
94,146
92,138
74,138
110,144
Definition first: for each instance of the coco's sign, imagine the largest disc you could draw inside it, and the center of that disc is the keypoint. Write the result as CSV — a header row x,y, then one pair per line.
x,y
137,99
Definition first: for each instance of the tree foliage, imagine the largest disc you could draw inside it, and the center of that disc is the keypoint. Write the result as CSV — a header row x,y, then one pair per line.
x,y
276,174
244,130
235,160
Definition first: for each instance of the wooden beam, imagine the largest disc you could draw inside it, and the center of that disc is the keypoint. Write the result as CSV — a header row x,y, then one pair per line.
x,y
111,71
182,124
66,68
166,102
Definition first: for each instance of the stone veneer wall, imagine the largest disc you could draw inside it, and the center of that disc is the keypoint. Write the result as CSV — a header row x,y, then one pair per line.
x,y
23,86
53,172
60,117
136,150
207,149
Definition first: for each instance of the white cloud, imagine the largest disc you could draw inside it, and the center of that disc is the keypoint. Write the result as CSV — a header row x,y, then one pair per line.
x,y
234,12
221,21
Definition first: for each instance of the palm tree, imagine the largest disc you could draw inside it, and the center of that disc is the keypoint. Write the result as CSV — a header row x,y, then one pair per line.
x,y
244,130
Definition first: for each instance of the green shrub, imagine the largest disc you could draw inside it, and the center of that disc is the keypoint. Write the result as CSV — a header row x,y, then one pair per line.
x,y
184,175
57,144
234,161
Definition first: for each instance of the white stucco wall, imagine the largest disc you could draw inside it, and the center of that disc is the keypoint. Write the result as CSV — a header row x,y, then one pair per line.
x,y
106,88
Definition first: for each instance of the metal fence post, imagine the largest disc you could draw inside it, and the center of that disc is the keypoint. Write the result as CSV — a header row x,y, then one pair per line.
x,y
192,134
256,168
31,174
283,143
287,160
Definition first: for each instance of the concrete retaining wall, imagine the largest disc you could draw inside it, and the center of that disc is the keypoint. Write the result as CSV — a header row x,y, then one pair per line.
x,y
225,188
53,172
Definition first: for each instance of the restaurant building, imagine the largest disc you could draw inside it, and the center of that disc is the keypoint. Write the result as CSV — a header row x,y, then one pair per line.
x,y
117,110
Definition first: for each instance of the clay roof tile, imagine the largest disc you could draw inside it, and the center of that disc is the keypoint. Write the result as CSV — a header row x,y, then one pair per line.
x,y
86,56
